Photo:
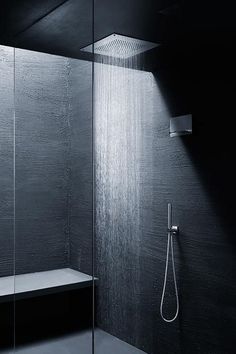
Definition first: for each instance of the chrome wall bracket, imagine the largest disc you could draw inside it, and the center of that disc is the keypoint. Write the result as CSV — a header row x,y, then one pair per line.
x,y
181,125
174,230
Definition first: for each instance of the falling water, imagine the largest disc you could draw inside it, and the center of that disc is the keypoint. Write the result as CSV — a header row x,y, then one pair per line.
x,y
120,96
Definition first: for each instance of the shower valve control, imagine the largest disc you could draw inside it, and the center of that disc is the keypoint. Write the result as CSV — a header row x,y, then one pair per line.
x,y
174,230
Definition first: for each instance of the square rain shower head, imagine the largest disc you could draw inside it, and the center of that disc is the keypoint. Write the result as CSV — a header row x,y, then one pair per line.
x,y
118,46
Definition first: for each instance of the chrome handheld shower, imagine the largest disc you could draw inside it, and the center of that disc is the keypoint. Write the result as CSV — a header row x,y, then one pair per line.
x,y
172,230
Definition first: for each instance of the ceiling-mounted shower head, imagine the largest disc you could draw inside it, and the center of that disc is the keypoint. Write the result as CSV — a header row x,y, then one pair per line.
x,y
118,46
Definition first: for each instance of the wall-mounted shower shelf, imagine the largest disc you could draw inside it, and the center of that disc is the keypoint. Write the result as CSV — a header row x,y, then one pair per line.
x,y
42,283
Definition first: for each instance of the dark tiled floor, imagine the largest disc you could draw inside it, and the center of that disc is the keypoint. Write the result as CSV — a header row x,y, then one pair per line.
x,y
80,344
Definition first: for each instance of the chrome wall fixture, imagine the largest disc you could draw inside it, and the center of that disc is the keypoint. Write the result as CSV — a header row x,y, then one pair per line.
x,y
181,125
172,230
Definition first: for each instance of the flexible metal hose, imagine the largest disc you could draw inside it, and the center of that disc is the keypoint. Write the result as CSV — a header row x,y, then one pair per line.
x,y
169,246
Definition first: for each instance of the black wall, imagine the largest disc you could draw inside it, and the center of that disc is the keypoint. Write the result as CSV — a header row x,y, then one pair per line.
x,y
139,169
53,162
6,160
42,155
142,169
50,148
6,185
81,166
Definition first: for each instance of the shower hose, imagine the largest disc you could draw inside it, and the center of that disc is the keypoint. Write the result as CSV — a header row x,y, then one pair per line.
x,y
169,247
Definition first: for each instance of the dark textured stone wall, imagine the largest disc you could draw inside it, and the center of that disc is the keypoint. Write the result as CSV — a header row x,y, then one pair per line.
x,y
81,173
53,187
6,159
139,169
41,161
53,162
42,158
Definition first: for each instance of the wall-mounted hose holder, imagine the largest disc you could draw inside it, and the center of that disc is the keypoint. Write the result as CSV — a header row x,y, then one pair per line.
x,y
172,230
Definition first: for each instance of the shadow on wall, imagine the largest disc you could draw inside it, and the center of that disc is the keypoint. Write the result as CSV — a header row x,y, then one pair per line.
x,y
206,249
211,147
211,150
204,85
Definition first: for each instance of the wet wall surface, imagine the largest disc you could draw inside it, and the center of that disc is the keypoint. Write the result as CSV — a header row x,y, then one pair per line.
x,y
139,169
